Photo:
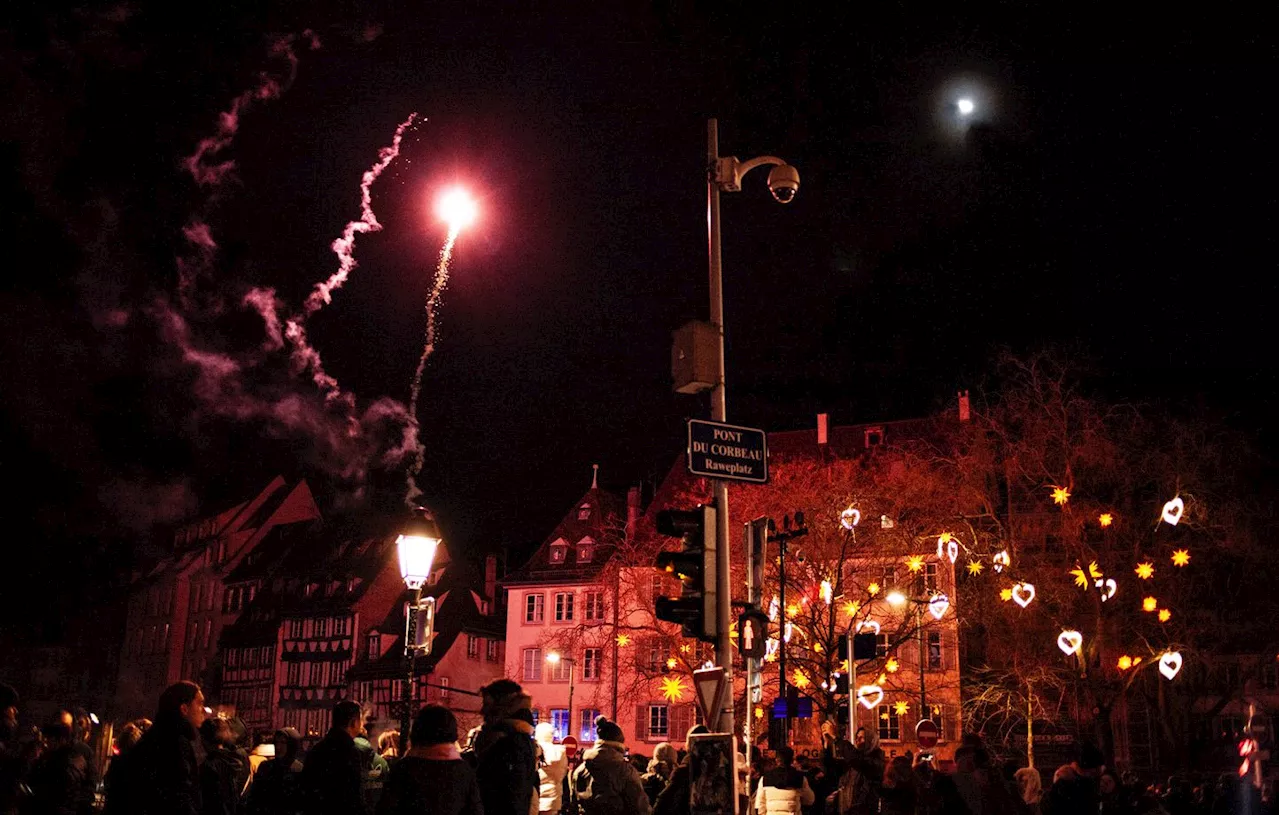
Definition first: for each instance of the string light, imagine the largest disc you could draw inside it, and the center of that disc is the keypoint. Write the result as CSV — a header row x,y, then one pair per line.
x,y
1149,603
1023,594
825,590
1172,512
849,518
1082,579
1164,615
1144,571
1006,595
1181,557
1125,662
975,567
901,708
870,695
623,640
792,609
915,563
851,608
799,679
1060,495
1170,664
672,688
891,665
1070,641
999,561
873,589
671,663
1105,519
938,605
1107,588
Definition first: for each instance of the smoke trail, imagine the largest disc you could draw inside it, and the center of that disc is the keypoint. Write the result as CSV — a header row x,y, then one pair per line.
x,y
344,246
413,439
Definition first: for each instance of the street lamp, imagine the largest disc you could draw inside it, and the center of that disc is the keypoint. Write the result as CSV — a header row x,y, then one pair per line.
x,y
897,599
555,659
417,546
724,174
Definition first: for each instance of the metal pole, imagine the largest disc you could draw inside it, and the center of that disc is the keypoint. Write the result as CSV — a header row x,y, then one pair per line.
x,y
782,640
724,652
568,728
753,597
920,635
410,666
853,684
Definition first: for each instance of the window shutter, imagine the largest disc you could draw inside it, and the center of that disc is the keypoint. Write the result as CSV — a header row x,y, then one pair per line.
x,y
950,650
679,721
642,722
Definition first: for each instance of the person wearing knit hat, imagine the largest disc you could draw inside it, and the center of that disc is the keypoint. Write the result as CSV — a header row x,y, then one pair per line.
x,y
506,759
432,777
605,783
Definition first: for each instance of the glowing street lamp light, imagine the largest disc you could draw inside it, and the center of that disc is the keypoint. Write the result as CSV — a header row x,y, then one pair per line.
x,y
457,209
555,659
965,106
417,546
896,599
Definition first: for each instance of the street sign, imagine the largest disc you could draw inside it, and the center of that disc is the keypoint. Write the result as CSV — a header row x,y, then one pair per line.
x,y
926,734
801,707
708,685
570,745
718,450
753,631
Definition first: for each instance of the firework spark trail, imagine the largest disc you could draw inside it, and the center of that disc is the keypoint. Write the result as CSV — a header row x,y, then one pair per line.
x,y
344,246
412,437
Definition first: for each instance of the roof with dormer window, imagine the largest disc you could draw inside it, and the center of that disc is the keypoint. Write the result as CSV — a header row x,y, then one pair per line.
x,y
605,522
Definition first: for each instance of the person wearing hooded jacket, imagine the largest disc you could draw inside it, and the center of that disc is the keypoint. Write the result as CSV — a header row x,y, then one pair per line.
x,y
276,785
223,773
784,790
553,766
605,783
506,760
658,772
432,778
860,768
674,798
163,776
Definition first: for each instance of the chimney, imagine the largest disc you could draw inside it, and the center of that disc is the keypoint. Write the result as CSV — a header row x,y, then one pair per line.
x,y
595,476
822,428
964,405
490,577
633,511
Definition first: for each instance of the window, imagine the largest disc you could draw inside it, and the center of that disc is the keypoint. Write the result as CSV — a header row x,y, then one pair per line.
x,y
193,640
164,643
888,578
587,730
491,650
890,726
473,647
534,608
322,627
882,645
564,607
931,578
294,673
560,721
560,670
935,650
585,548
533,664
230,601
444,689
873,436
558,551
935,713
652,659
657,721
373,647
295,629
594,606
584,512
657,586
591,664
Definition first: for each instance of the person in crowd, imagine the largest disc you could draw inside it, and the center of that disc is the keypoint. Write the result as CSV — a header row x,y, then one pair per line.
x,y
128,739
860,768
674,799
224,772
432,778
242,744
503,750
658,772
936,793
389,745
12,767
332,774
276,789
373,772
59,781
553,766
163,774
898,792
1029,788
1075,785
605,783
784,790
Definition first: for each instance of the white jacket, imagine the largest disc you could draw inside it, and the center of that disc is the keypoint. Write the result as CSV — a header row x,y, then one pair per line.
x,y
552,768
784,801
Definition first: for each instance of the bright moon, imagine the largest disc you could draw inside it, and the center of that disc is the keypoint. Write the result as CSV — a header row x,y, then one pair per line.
x,y
965,106
456,209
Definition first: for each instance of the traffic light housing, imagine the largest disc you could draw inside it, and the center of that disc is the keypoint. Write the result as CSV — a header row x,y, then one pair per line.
x,y
695,565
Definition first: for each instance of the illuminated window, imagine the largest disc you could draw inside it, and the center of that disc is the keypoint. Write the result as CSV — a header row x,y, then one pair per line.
x,y
931,578
491,650
584,512
873,436
658,723
373,647
444,689
934,643
473,647
558,551
560,721
586,547
587,731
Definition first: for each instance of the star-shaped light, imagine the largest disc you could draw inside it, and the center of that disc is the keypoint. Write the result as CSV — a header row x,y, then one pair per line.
x,y
1181,557
944,538
915,563
975,567
672,688
1060,495
1006,594
686,648
817,647
1124,663
884,715
881,679
892,665
901,708
792,609
1164,615
671,663
851,608
1082,580
799,679
759,712
1144,571
873,589
772,656
1149,604
1105,519
623,640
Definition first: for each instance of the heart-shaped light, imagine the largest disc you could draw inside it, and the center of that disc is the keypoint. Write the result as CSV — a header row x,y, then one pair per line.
x,y
1170,664
1106,587
1070,642
938,605
850,517
870,695
869,625
953,551
1023,594
999,561
1173,511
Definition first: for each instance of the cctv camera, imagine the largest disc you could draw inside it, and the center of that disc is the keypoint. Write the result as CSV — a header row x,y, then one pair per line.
x,y
784,180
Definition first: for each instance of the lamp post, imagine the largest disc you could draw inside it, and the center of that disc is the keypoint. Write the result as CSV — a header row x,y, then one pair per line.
x,y
897,599
555,659
417,547
725,174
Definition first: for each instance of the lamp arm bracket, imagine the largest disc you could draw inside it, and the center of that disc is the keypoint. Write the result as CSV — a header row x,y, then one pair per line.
x,y
728,171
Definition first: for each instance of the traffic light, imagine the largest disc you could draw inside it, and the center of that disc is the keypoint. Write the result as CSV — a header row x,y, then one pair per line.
x,y
695,565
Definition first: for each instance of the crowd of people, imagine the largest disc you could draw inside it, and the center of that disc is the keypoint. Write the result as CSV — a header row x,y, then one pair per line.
x,y
186,762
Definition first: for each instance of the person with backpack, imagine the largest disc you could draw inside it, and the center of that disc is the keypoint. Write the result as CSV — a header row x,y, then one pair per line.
x,y
503,753
605,783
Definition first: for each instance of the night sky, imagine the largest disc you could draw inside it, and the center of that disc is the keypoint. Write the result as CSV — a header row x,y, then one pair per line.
x,y
1113,197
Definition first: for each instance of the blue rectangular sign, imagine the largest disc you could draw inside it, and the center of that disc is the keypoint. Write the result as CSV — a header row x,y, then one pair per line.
x,y
718,450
